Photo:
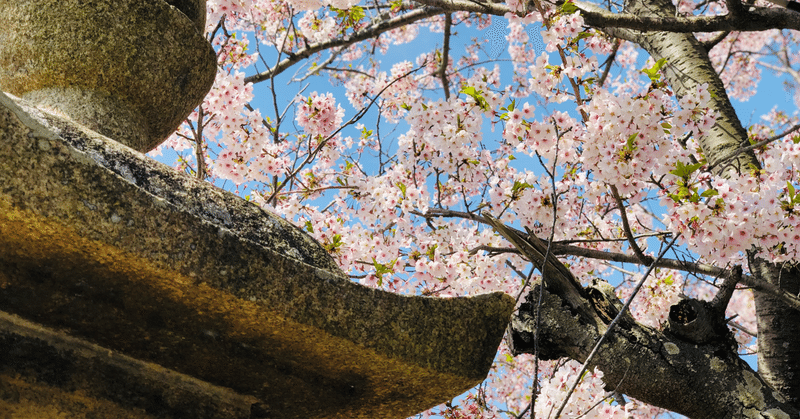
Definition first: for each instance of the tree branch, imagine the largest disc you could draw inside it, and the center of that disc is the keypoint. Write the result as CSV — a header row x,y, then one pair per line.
x,y
701,381
448,23
753,20
755,146
626,228
370,32
620,315
679,265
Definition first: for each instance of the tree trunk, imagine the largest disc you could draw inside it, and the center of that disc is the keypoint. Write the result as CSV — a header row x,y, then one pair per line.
x,y
687,67
661,368
667,369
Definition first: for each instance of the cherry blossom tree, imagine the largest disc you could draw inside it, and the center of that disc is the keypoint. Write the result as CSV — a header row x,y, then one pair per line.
x,y
609,152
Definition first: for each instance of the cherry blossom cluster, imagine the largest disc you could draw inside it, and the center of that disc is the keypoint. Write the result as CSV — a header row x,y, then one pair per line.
x,y
535,152
319,114
589,399
398,89
317,28
662,289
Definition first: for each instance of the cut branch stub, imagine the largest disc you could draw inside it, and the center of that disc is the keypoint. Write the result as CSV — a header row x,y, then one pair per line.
x,y
129,69
698,322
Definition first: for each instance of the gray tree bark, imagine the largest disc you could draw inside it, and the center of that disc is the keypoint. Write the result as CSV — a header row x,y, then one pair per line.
x,y
697,375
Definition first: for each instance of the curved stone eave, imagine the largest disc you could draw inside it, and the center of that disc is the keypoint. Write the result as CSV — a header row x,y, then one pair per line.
x,y
100,241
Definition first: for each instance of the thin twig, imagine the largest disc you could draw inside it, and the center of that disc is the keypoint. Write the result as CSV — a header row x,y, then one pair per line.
x,y
751,147
198,145
313,153
626,228
609,62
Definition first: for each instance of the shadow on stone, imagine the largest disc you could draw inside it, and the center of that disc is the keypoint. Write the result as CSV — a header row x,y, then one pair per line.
x,y
145,290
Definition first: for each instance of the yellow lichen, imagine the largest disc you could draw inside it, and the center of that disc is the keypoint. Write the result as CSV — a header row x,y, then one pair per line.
x,y
671,348
775,414
717,364
750,393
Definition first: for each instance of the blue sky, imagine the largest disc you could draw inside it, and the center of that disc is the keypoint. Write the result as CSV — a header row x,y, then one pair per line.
x,y
771,92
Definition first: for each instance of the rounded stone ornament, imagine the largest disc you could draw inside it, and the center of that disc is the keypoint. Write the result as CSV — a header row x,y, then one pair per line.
x,y
131,70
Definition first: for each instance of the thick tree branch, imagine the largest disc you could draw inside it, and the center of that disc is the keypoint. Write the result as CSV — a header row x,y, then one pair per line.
x,y
697,380
753,20
559,279
723,297
687,67
758,19
621,314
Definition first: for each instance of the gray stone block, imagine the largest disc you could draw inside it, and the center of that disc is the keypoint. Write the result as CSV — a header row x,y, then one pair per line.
x,y
103,248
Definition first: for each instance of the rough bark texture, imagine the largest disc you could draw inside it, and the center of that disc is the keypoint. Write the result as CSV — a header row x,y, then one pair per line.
x,y
696,374
697,380
778,330
690,368
687,67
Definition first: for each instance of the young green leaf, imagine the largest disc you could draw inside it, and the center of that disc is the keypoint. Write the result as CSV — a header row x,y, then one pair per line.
x,y
652,72
568,8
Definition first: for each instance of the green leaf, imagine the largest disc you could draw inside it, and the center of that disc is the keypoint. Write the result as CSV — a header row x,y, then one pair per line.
x,y
581,35
402,188
709,193
350,17
652,72
357,13
520,186
476,94
335,244
381,269
668,280
568,8
684,171
630,145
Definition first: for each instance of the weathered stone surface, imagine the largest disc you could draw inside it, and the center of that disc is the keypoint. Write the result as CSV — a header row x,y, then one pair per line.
x,y
47,374
107,246
129,69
